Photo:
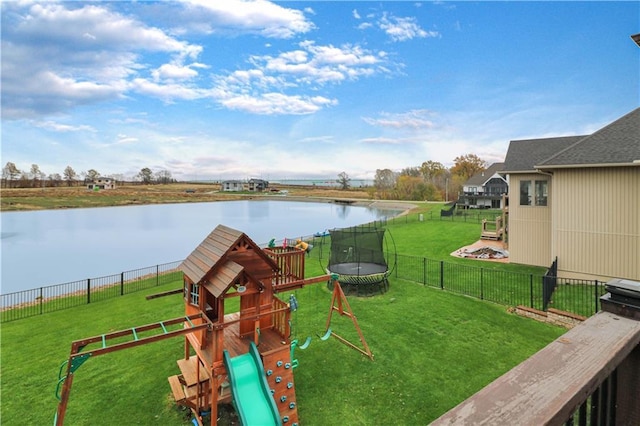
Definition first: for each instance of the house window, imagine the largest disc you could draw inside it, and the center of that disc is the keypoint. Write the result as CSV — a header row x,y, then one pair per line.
x,y
195,294
525,193
541,192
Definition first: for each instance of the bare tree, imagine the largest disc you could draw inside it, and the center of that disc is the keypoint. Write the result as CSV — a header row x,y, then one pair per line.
x,y
36,176
10,174
384,181
164,177
55,179
92,175
145,175
343,180
70,175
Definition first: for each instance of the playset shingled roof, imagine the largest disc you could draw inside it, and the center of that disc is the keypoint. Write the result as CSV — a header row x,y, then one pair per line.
x,y
214,252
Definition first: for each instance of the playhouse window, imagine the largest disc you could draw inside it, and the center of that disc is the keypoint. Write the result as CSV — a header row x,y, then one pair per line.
x,y
195,294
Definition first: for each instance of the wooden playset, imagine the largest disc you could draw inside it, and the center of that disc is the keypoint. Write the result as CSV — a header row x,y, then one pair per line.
x,y
244,357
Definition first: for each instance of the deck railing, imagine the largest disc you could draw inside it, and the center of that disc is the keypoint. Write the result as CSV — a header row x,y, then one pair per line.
x,y
290,261
588,376
281,318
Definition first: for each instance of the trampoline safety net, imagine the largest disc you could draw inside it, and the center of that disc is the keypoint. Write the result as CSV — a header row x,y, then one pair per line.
x,y
353,245
358,257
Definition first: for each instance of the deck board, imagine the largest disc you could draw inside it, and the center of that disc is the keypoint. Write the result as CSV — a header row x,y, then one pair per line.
x,y
547,387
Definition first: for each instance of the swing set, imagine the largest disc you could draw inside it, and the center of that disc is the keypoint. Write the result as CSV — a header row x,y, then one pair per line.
x,y
339,304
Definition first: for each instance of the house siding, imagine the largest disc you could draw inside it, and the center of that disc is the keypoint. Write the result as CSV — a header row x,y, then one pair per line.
x,y
529,226
596,217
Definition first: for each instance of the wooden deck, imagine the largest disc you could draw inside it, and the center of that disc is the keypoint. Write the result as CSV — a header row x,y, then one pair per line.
x,y
548,387
270,340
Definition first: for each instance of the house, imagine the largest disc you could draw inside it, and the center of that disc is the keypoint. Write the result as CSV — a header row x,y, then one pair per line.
x,y
484,190
232,185
577,199
102,183
253,185
258,185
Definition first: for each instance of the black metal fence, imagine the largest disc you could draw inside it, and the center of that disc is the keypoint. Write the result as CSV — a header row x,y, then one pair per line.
x,y
27,303
504,287
508,288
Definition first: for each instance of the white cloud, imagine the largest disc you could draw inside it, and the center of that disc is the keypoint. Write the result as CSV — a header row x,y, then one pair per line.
x,y
58,127
411,120
305,70
242,16
277,103
403,29
56,56
168,92
173,72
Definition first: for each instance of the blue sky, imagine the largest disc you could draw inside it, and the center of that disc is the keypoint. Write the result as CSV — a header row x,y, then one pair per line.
x,y
239,89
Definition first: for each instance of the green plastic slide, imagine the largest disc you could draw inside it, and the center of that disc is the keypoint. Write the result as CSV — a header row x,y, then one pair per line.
x,y
249,388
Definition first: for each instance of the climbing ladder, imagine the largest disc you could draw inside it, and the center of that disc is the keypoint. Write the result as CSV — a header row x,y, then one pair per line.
x,y
128,338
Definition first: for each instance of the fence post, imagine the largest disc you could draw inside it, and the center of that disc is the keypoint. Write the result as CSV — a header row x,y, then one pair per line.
x,y
88,290
442,274
424,271
531,289
121,283
596,295
157,275
41,301
481,283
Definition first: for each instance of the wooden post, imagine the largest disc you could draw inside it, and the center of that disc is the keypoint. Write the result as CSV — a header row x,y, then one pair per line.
x,y
339,297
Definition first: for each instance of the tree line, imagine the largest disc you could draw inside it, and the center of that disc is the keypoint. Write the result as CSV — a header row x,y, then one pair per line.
x,y
13,177
429,181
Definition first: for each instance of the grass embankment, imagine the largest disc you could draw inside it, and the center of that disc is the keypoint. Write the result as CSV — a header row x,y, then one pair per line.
x,y
432,350
19,199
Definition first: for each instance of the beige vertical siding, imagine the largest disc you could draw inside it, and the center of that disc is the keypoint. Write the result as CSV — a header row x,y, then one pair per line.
x,y
596,222
529,226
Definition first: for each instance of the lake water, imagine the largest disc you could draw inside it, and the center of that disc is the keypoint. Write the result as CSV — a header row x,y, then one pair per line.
x,y
42,248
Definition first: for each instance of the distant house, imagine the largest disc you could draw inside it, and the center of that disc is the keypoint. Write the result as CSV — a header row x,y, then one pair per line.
x,y
254,185
258,185
577,199
102,183
484,190
232,185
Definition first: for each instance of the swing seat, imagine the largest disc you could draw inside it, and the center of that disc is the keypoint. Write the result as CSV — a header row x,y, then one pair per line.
x,y
326,335
306,343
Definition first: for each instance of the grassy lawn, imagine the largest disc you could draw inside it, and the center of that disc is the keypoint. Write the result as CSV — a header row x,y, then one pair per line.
x,y
432,349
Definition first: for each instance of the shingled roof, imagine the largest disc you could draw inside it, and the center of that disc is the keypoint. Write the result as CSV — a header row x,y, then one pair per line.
x,y
214,250
480,178
615,144
523,155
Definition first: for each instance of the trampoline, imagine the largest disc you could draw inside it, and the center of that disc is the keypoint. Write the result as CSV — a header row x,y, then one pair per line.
x,y
359,258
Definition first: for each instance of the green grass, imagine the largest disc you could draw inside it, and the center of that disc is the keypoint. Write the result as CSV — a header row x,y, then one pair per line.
x,y
433,349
